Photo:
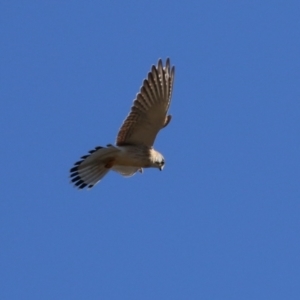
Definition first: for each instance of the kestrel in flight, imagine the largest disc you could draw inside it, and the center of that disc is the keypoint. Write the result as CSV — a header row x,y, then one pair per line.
x,y
134,145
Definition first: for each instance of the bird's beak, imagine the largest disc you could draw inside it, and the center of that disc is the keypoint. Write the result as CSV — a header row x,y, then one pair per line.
x,y
161,168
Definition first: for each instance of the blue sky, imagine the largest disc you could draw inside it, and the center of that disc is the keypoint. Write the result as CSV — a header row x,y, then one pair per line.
x,y
221,221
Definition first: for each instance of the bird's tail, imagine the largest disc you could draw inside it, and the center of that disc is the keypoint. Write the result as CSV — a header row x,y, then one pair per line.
x,y
93,167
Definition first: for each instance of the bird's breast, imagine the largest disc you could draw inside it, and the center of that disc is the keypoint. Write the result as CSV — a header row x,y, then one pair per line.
x,y
135,156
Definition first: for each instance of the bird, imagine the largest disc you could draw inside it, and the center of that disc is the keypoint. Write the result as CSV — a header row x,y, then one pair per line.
x,y
133,150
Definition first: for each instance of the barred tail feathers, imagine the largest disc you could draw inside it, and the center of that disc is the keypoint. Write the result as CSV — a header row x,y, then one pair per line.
x,y
93,167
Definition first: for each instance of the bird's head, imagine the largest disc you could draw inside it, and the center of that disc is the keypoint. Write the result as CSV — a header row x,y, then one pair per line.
x,y
158,160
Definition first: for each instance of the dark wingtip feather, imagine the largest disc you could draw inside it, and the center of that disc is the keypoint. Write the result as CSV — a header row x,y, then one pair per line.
x,y
159,65
173,71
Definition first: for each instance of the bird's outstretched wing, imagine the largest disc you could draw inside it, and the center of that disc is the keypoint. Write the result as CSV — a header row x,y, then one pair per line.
x,y
148,114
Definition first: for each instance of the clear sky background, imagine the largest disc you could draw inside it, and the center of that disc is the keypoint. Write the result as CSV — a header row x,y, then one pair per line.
x,y
222,221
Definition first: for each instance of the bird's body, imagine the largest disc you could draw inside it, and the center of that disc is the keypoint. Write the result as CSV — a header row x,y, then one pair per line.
x,y
135,156
134,146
